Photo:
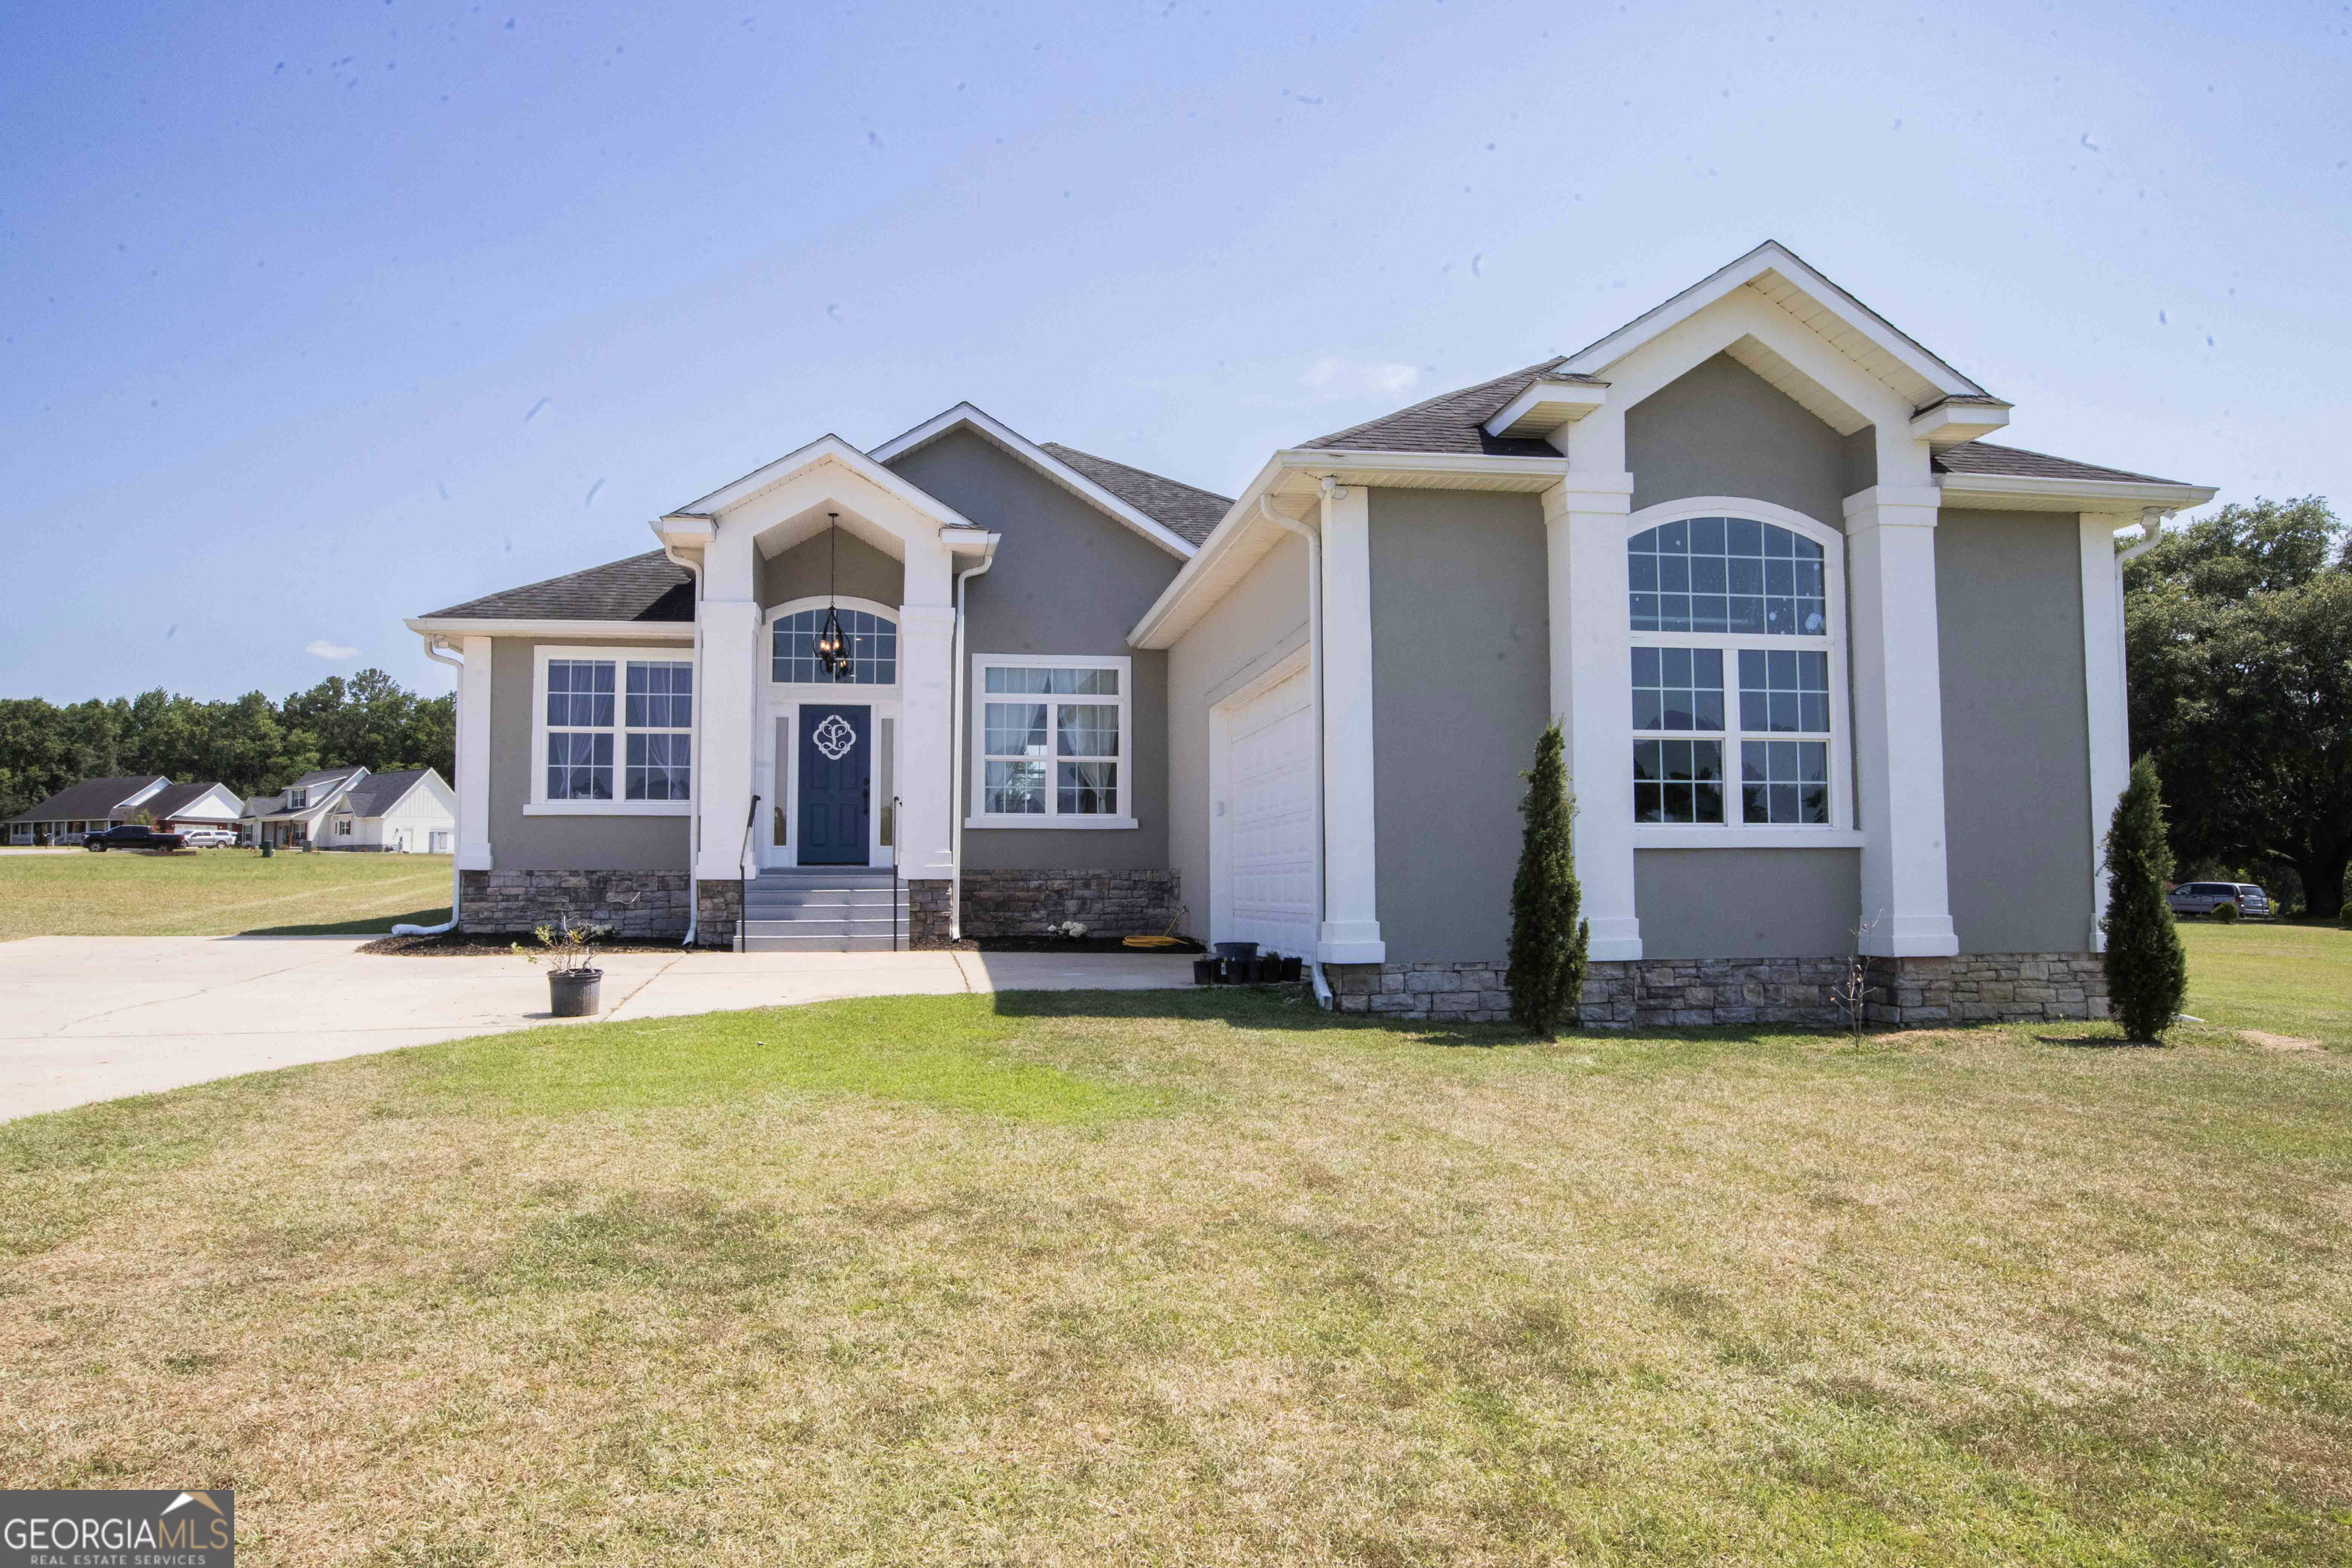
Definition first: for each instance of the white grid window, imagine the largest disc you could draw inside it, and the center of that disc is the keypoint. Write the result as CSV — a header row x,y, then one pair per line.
x,y
1052,742
1736,666
872,648
616,730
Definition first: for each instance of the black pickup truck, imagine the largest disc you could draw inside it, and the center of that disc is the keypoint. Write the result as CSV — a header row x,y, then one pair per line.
x,y
133,836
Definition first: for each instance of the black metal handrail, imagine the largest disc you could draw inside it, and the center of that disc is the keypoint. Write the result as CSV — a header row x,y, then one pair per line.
x,y
743,887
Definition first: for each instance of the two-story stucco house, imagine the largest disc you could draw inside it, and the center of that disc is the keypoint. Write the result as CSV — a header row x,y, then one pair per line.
x,y
1827,662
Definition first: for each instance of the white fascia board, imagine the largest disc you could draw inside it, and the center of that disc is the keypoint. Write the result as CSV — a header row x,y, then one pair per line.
x,y
1546,405
1955,420
969,539
2008,490
1773,257
966,415
826,448
1301,467
685,530
609,631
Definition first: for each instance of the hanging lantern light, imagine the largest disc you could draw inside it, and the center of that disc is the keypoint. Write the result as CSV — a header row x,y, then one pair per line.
x,y
832,648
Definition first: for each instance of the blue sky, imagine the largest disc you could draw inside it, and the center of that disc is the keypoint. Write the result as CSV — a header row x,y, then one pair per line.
x,y
317,317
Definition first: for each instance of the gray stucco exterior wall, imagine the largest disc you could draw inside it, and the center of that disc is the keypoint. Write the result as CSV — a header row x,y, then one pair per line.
x,y
1258,623
1720,429
1067,579
1747,903
1461,690
2017,760
861,571
521,843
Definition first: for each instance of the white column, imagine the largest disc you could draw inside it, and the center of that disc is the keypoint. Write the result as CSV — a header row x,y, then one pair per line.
x,y
474,852
1593,693
925,739
2105,694
1898,715
727,687
1350,931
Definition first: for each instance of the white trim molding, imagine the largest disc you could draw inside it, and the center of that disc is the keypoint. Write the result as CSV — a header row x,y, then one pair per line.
x,y
1350,930
474,849
678,632
1052,818
1899,721
2106,697
1591,684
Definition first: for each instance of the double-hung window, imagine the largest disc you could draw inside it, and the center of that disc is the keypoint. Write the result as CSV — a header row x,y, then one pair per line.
x,y
1737,664
1053,743
615,728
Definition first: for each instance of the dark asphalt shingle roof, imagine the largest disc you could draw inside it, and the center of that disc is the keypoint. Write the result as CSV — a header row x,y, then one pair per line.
x,y
379,793
1186,511
1982,458
1454,421
88,801
648,587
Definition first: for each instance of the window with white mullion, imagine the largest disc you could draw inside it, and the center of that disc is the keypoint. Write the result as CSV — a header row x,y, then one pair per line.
x,y
616,728
1052,741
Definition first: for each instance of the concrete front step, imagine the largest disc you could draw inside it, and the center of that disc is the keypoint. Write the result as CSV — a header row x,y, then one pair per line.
x,y
757,943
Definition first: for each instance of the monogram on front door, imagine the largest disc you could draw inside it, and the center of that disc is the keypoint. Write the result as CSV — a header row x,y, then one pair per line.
x,y
836,796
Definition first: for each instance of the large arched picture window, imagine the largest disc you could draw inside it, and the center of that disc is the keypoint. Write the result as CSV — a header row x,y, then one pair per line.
x,y
873,649
1737,664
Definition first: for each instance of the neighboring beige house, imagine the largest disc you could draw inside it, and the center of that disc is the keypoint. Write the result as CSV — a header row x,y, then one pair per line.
x,y
1826,660
184,808
90,806
410,811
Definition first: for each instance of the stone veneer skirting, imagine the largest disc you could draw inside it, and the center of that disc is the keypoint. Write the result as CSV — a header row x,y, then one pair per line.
x,y
927,913
1983,987
637,905
1109,903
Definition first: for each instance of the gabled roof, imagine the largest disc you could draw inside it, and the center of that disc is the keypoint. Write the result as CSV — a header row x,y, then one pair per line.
x,y
324,776
175,798
648,587
1184,508
379,793
91,799
1453,421
1085,485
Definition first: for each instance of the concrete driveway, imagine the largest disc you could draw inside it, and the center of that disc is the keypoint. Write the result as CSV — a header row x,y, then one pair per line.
x,y
95,1017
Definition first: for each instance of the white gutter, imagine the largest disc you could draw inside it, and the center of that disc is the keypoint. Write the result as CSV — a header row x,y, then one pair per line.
x,y
694,837
956,772
1313,539
457,763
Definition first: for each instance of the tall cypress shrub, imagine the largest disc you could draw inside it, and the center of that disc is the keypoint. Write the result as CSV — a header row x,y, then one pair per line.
x,y
1548,938
2148,972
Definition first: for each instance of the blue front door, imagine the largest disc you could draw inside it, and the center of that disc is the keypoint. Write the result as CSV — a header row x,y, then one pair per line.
x,y
835,797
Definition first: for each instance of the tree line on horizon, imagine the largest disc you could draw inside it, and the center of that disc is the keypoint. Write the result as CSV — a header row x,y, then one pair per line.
x,y
250,743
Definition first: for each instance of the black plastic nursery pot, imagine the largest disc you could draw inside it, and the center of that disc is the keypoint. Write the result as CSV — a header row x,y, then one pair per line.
x,y
1204,972
572,993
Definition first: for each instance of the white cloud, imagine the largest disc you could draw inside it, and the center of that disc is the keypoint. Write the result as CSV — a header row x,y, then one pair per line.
x,y
1341,377
322,648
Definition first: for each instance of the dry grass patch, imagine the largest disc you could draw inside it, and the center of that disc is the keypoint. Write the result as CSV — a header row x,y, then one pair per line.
x,y
1166,1278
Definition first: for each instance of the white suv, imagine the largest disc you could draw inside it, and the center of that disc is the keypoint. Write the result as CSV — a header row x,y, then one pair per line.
x,y
210,838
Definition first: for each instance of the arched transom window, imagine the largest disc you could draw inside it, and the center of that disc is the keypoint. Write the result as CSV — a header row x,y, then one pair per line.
x,y
1737,670
872,648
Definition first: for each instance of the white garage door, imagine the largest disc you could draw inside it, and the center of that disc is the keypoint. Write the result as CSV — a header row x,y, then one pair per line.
x,y
1270,824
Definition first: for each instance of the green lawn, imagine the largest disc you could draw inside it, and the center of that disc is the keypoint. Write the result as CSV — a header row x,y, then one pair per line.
x,y
218,892
1096,1279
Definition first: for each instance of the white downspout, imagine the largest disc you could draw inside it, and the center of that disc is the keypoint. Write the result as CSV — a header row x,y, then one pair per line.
x,y
1313,539
433,645
2151,529
694,837
956,770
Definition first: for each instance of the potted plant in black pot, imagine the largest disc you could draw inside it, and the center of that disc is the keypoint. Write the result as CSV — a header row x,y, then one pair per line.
x,y
571,984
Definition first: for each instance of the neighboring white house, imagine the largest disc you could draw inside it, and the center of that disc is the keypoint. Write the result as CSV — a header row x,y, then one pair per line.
x,y
184,808
412,812
409,813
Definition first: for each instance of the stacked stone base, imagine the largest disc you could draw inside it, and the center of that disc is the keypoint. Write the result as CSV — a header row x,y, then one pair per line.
x,y
635,904
718,912
927,913
1108,903
1665,992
